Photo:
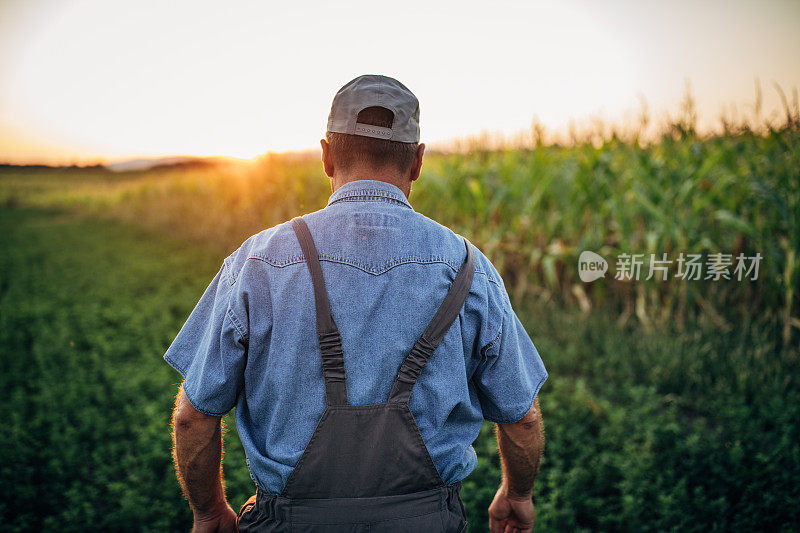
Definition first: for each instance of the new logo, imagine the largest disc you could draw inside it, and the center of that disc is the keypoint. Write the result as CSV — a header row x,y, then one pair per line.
x,y
591,266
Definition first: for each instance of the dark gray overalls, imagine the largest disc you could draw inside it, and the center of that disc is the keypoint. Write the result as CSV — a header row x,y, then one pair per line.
x,y
366,467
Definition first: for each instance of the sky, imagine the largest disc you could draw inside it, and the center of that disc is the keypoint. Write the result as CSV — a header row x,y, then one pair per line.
x,y
84,81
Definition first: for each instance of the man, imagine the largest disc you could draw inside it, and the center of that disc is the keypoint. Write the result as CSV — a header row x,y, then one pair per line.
x,y
362,346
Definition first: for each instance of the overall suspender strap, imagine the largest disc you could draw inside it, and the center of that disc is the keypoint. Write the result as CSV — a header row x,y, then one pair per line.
x,y
437,328
330,342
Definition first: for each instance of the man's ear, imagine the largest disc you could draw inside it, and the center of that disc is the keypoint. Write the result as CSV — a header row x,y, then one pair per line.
x,y
327,160
416,167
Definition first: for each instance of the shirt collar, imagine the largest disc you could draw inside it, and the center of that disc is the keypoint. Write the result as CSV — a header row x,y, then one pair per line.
x,y
369,190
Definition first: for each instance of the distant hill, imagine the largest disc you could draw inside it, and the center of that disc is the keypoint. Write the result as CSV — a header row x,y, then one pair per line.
x,y
143,164
132,165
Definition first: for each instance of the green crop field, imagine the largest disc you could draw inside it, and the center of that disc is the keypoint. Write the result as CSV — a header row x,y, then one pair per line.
x,y
672,405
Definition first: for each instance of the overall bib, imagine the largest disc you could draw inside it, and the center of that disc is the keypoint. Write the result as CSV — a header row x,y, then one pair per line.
x,y
366,467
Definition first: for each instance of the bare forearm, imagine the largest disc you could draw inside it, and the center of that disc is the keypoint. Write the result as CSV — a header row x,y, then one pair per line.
x,y
197,454
521,447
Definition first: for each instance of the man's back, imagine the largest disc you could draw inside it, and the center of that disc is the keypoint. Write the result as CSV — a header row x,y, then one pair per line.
x,y
420,313
386,269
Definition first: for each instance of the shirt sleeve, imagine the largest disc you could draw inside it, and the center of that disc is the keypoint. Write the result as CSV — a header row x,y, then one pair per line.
x,y
210,351
510,372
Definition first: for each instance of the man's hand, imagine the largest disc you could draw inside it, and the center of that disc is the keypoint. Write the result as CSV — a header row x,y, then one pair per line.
x,y
511,514
221,520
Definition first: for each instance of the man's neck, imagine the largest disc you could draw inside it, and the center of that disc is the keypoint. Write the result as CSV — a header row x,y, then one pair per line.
x,y
393,178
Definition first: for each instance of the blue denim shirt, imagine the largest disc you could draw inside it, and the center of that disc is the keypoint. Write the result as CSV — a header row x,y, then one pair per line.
x,y
251,341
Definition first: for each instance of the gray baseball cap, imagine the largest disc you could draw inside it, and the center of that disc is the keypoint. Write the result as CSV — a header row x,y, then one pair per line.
x,y
372,90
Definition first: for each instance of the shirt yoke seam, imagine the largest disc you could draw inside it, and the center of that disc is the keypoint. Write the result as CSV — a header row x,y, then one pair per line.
x,y
293,260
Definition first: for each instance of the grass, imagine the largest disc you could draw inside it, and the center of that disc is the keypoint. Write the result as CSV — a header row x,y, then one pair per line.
x,y
692,431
